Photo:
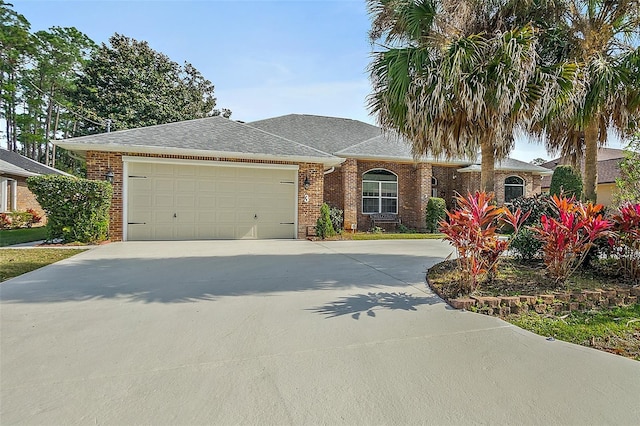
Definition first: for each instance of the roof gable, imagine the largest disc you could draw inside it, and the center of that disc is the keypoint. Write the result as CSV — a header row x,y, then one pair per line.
x,y
328,134
205,136
14,163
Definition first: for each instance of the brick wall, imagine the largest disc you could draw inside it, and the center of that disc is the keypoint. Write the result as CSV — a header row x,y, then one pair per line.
x,y
333,189
408,192
531,184
99,162
26,199
447,185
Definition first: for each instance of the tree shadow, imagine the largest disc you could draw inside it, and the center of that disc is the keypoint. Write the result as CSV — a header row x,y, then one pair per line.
x,y
370,302
208,278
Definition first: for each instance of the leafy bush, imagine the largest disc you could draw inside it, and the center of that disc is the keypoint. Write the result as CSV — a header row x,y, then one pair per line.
x,y
566,181
77,209
324,226
525,245
567,237
436,212
471,229
336,218
626,244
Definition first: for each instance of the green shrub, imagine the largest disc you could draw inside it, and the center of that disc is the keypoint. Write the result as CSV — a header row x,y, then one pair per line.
x,y
77,209
436,211
525,245
336,218
324,227
566,181
536,206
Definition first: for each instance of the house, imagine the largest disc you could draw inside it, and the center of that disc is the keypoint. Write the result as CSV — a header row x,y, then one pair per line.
x,y
215,178
608,169
14,171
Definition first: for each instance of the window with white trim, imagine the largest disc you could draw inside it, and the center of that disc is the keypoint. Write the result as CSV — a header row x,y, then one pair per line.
x,y
513,188
434,186
379,192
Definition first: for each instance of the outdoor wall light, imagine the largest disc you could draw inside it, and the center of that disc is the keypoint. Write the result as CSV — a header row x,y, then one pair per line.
x,y
306,182
109,176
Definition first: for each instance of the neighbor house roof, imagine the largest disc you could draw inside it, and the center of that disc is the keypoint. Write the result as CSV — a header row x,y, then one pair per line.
x,y
211,136
13,163
510,165
328,134
608,165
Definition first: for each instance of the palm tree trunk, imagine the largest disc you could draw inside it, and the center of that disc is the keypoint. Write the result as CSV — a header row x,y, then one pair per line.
x,y
591,160
487,167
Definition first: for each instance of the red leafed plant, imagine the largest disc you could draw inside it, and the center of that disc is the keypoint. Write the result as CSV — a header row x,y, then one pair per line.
x,y
35,217
626,244
568,237
471,229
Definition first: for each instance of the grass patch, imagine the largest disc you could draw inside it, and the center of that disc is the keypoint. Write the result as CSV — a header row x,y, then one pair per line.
x,y
613,330
10,237
15,262
390,236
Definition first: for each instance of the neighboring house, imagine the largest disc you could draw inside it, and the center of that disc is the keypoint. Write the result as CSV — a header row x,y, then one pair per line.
x,y
14,171
608,171
215,178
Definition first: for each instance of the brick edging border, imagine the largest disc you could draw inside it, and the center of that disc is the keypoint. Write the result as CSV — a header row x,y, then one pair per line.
x,y
558,302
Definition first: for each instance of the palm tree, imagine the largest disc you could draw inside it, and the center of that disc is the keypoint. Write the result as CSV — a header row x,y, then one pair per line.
x,y
457,76
599,34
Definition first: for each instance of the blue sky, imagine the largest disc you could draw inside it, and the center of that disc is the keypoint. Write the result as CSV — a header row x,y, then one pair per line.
x,y
266,58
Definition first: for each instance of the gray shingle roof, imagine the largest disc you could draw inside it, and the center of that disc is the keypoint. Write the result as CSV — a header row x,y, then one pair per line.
x,y
511,165
328,134
14,163
608,165
212,134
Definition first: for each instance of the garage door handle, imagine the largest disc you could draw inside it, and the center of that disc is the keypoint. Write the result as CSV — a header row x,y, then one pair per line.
x,y
287,223
255,216
175,215
136,223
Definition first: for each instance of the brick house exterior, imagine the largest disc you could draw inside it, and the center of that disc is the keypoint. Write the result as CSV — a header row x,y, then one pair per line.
x,y
334,159
14,193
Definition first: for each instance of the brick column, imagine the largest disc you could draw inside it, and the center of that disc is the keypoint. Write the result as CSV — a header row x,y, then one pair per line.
x,y
424,190
98,163
350,192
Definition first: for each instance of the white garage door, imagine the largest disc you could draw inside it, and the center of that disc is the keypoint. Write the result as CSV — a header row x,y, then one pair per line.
x,y
192,202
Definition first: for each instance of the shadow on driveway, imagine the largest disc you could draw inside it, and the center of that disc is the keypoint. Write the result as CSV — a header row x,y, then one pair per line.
x,y
370,302
207,278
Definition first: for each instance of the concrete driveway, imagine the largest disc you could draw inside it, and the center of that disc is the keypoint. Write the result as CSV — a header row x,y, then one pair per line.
x,y
282,332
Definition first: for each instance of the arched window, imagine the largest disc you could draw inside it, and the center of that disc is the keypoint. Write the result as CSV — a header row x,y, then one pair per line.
x,y
513,188
434,186
379,192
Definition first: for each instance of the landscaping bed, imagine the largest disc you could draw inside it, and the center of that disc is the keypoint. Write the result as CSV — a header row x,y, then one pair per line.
x,y
594,309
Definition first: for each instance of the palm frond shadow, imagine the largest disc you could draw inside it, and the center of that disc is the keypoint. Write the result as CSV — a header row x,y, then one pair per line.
x,y
371,302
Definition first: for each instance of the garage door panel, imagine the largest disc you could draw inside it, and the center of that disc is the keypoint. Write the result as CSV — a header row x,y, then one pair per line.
x,y
210,202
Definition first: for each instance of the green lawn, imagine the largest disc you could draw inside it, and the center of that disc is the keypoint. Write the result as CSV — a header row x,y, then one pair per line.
x,y
14,262
391,236
10,237
612,330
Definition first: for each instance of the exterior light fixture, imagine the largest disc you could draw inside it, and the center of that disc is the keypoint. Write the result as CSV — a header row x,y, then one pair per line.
x,y
306,183
109,176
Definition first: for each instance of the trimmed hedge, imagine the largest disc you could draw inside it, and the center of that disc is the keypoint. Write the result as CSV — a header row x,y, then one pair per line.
x,y
566,181
436,211
77,209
